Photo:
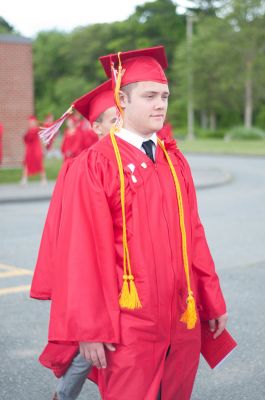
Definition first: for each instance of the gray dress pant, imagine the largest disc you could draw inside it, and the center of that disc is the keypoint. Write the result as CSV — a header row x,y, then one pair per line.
x,y
70,385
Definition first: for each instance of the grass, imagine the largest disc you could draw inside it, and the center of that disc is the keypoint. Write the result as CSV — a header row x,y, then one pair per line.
x,y
219,146
209,146
52,167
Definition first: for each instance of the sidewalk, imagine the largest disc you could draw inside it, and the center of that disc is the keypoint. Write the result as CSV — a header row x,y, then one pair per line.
x,y
34,191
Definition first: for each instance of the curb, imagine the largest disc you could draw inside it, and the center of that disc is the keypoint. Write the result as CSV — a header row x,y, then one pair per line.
x,y
204,178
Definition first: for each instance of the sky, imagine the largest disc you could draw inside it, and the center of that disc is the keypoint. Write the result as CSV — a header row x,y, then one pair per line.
x,y
31,16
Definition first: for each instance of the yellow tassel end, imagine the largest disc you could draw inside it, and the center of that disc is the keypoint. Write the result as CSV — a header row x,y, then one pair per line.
x,y
189,317
124,299
134,298
129,297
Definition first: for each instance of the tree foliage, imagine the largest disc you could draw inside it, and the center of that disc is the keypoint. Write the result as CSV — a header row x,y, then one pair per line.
x,y
5,27
226,59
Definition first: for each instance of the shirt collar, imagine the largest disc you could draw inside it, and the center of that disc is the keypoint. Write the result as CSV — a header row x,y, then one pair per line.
x,y
135,139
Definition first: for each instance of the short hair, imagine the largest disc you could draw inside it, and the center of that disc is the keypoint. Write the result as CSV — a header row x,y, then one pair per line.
x,y
127,89
99,119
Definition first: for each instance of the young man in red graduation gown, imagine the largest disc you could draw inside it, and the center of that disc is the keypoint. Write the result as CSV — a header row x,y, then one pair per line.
x,y
33,160
98,108
133,270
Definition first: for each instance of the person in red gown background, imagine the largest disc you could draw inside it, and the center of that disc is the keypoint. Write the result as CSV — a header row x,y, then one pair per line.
x,y
88,135
1,142
33,160
72,139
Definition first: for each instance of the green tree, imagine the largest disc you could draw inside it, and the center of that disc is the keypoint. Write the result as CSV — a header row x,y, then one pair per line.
x,y
5,27
248,20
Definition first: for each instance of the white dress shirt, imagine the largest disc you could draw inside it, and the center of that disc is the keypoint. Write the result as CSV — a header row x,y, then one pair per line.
x,y
136,140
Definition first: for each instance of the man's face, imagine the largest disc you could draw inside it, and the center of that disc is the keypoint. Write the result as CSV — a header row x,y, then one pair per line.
x,y
145,108
102,128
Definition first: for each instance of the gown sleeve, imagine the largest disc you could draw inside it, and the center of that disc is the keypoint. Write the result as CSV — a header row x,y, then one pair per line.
x,y
41,286
211,300
84,303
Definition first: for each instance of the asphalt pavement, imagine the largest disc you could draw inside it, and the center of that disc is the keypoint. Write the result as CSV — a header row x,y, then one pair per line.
x,y
233,213
36,191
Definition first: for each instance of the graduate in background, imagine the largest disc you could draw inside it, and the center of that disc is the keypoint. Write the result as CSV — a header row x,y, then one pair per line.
x,y
98,109
1,142
72,139
33,160
88,135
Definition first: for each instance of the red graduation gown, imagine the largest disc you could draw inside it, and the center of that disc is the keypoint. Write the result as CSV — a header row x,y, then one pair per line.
x,y
166,132
89,138
88,272
1,142
41,286
33,156
71,144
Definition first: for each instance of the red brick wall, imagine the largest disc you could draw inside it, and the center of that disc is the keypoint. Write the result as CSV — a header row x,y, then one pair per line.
x,y
16,97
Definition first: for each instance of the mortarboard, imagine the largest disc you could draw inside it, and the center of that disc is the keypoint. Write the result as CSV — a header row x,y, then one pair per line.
x,y
90,105
94,103
138,65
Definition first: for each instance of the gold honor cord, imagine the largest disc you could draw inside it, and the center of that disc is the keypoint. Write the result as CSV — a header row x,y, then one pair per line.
x,y
128,297
189,316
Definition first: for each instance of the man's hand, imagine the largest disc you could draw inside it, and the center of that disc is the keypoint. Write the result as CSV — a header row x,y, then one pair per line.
x,y
94,352
218,325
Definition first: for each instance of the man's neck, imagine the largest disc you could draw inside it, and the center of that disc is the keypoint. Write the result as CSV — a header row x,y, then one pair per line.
x,y
141,134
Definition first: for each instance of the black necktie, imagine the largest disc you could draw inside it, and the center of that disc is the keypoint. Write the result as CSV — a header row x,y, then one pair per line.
x,y
148,148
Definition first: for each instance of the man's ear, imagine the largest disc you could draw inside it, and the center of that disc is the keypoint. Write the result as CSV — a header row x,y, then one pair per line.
x,y
123,99
96,126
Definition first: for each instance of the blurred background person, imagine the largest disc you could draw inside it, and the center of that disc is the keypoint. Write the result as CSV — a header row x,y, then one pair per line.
x,y
72,139
1,142
88,135
33,160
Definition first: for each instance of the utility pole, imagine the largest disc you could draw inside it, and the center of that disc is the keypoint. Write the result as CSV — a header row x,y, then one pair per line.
x,y
190,110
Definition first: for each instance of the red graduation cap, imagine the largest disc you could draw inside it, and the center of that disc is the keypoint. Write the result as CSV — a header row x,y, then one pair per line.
x,y
94,103
32,118
138,65
91,105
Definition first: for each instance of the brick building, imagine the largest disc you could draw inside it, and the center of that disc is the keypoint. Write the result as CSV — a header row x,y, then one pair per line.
x,y
16,95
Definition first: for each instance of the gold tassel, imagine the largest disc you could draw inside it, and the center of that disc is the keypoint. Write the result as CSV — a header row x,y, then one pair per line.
x,y
190,316
128,297
120,73
124,299
134,298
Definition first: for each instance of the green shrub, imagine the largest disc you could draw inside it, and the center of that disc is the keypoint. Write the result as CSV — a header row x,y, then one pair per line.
x,y
209,133
242,133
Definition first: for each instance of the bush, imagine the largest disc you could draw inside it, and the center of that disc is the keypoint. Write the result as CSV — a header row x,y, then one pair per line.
x,y
209,134
199,133
242,133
